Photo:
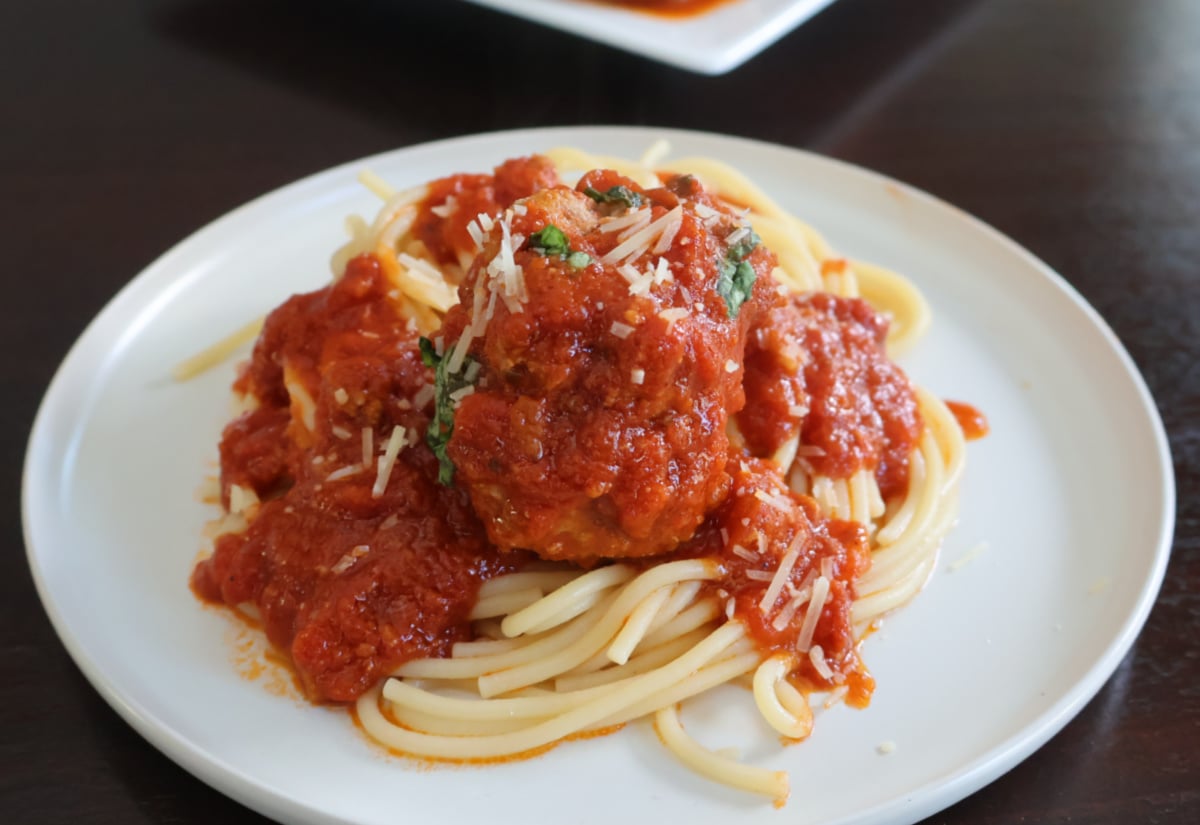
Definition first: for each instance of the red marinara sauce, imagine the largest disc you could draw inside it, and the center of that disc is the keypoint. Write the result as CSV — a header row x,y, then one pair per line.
x,y
349,579
454,201
818,367
971,419
671,8
751,534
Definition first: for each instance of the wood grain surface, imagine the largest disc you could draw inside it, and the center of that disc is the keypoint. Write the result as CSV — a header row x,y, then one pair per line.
x,y
1071,125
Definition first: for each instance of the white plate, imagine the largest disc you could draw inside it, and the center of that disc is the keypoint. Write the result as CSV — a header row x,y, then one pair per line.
x,y
710,43
988,662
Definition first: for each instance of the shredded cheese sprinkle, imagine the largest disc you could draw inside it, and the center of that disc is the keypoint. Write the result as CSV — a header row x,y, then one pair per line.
x,y
387,461
781,575
673,314
742,552
347,561
424,396
816,655
368,446
344,472
815,605
620,330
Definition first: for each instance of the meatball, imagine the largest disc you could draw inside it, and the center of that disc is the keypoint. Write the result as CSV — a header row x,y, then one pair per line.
x,y
595,357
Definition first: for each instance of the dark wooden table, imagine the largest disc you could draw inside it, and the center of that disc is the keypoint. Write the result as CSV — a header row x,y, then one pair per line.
x,y
1071,125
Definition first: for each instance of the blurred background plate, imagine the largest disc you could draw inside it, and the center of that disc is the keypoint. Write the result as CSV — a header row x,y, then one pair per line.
x,y
711,42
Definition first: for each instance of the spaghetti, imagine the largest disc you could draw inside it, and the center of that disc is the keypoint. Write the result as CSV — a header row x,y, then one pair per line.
x,y
659,382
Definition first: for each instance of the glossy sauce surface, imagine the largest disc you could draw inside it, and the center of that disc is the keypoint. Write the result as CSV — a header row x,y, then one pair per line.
x,y
349,583
751,534
971,419
818,366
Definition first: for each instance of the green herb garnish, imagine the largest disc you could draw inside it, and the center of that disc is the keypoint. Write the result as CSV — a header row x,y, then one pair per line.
x,y
736,276
615,194
442,425
550,240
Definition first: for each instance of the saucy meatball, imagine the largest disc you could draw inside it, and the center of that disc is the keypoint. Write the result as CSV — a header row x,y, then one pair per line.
x,y
590,367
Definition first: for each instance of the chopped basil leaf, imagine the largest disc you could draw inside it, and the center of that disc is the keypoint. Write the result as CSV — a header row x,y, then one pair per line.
x,y
442,425
615,194
735,278
550,240
429,356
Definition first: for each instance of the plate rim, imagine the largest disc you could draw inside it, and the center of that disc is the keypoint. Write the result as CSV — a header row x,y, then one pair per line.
x,y
740,47
922,800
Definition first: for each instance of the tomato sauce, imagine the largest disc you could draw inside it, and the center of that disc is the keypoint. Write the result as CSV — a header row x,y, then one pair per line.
x,y
973,422
818,366
349,583
763,519
459,198
671,8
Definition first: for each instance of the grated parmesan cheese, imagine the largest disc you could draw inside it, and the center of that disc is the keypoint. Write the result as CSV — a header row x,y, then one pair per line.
x,y
461,393
446,209
816,604
799,597
743,553
387,461
662,272
344,472
781,575
773,499
347,561
816,655
368,446
638,243
424,396
620,330
673,314
632,218
737,235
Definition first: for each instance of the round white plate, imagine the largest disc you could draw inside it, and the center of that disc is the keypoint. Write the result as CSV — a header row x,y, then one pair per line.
x,y
992,659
